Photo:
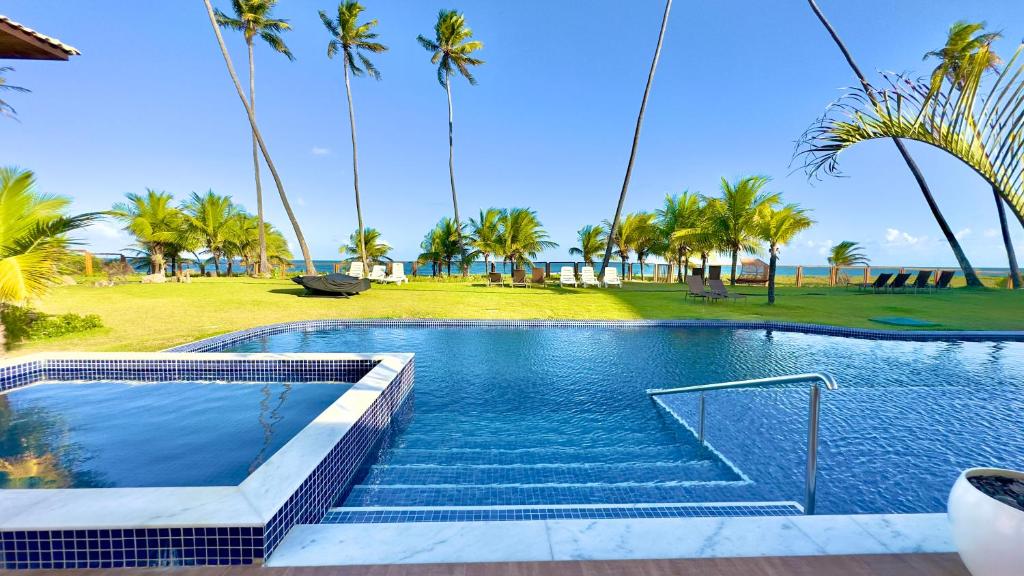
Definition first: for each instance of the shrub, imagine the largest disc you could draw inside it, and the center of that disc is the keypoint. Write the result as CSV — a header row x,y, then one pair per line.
x,y
27,324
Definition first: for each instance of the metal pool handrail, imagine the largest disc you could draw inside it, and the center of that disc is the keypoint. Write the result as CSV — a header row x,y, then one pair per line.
x,y
815,378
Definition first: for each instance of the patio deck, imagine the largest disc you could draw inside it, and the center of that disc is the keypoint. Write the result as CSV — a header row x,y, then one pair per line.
x,y
867,565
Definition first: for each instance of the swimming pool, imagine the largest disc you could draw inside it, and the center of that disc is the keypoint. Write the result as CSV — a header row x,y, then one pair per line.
x,y
558,416
134,434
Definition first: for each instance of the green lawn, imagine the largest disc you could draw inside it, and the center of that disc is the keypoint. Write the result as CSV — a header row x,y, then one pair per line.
x,y
146,317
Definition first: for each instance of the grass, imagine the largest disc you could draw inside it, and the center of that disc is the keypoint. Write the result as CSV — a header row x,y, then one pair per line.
x,y
148,317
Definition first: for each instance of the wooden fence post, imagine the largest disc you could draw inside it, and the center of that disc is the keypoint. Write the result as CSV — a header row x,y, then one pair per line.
x,y
799,276
867,274
88,263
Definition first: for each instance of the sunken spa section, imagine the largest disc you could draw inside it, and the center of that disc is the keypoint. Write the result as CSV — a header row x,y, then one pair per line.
x,y
318,416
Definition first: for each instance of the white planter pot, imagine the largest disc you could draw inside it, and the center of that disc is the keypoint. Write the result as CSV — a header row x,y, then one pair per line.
x,y
988,533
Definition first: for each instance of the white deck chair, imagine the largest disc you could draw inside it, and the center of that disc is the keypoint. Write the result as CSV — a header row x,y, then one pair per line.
x,y
611,277
587,277
567,277
378,273
397,274
355,270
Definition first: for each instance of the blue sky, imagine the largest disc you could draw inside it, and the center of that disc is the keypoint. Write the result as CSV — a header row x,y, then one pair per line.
x,y
149,104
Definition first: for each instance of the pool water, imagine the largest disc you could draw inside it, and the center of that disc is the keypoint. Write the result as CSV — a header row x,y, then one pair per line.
x,y
545,415
121,434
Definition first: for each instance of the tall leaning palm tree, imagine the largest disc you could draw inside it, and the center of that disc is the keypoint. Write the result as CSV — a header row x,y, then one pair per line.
x,y
947,232
777,227
614,222
452,50
963,60
252,18
353,40
591,243
734,217
308,260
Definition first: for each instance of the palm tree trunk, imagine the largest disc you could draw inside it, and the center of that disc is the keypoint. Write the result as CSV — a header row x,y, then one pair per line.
x,y
636,135
1011,255
958,252
451,166
772,265
264,264
355,165
732,272
310,269
216,263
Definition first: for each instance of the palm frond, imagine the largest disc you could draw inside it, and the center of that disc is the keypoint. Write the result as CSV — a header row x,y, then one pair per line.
x,y
989,140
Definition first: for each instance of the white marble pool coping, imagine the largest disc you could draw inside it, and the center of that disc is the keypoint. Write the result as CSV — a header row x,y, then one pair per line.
x,y
630,539
251,503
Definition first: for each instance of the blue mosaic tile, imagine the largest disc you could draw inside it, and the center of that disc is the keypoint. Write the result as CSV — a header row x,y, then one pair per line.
x,y
385,516
123,548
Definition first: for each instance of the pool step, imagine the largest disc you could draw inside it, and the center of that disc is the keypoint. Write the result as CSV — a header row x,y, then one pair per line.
x,y
363,495
534,438
419,476
546,455
376,515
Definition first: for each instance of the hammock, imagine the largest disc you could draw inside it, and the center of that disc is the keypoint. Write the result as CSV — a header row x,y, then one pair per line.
x,y
332,284
752,271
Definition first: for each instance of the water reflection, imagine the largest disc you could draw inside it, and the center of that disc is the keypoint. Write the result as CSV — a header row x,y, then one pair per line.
x,y
32,454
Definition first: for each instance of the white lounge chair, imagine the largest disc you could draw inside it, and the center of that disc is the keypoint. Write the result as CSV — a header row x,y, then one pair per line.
x,y
397,274
587,277
567,277
355,270
611,277
378,273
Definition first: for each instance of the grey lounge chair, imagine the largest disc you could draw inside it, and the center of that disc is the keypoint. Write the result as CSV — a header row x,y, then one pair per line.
x,y
697,289
718,287
495,279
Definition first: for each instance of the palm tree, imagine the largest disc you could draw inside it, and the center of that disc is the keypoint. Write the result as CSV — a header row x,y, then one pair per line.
x,y
965,58
442,244
367,247
521,237
846,253
252,18
308,260
778,227
33,238
592,242
353,40
733,217
209,218
5,108
636,137
954,243
484,232
154,221
680,216
631,233
452,49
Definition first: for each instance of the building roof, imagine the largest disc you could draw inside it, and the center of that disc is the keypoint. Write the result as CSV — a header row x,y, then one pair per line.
x,y
20,42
